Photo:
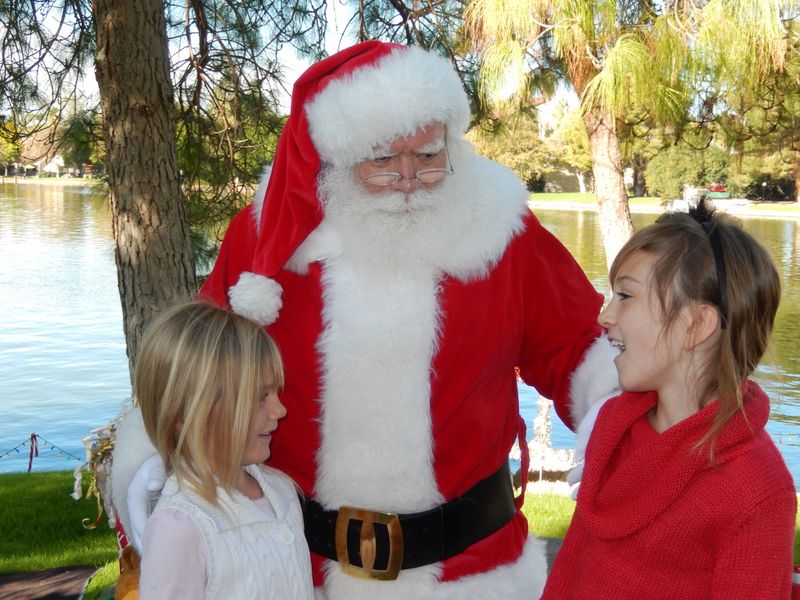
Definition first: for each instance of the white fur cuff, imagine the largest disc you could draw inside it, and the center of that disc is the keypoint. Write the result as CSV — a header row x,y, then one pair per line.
x,y
131,448
594,380
256,297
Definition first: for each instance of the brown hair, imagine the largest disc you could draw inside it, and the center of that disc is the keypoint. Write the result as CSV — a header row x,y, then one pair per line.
x,y
687,272
198,379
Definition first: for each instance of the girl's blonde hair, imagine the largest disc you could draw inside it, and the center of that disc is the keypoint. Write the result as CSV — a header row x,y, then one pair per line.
x,y
199,377
687,272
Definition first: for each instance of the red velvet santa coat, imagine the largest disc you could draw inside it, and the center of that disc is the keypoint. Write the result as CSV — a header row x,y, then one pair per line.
x,y
654,520
400,382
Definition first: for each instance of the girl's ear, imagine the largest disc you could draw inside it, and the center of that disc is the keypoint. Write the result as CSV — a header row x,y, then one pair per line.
x,y
703,325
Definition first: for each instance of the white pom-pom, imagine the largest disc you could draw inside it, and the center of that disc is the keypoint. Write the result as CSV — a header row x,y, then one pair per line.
x,y
256,297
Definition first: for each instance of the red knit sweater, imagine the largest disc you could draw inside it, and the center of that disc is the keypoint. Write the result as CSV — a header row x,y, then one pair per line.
x,y
655,520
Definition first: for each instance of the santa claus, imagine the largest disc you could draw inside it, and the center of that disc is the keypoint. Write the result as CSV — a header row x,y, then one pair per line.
x,y
404,279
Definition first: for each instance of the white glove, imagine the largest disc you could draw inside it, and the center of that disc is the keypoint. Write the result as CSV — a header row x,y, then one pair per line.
x,y
582,435
143,493
574,477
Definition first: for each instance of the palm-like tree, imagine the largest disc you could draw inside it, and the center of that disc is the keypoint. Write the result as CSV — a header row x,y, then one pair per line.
x,y
672,61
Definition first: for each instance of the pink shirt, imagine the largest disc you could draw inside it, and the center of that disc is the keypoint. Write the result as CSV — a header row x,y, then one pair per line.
x,y
165,530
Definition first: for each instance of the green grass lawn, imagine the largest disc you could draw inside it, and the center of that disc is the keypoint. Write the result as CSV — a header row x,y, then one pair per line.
x,y
41,527
548,514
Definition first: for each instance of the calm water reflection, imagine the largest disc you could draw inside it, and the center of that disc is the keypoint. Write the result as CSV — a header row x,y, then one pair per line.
x,y
63,369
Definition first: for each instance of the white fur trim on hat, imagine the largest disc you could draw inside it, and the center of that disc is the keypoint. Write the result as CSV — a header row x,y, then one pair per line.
x,y
403,91
256,297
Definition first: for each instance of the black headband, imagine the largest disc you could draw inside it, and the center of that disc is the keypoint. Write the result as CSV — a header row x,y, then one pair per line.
x,y
703,216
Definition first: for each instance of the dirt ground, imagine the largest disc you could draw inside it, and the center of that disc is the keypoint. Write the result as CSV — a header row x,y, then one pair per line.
x,y
63,583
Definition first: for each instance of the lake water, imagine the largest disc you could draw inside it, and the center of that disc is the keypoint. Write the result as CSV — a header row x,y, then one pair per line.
x,y
63,369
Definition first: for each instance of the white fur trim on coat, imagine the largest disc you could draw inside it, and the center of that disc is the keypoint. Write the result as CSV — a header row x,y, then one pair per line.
x,y
524,578
256,297
593,383
381,330
594,380
405,90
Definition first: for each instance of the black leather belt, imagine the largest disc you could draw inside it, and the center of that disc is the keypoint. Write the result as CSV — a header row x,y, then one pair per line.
x,y
377,545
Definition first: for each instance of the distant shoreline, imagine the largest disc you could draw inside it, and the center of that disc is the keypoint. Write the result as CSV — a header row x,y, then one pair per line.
x,y
51,181
737,207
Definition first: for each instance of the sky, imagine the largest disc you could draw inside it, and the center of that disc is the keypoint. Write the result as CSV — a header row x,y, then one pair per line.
x,y
293,66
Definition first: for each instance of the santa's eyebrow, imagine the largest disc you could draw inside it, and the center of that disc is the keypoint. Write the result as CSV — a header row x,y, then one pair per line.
x,y
433,147
379,152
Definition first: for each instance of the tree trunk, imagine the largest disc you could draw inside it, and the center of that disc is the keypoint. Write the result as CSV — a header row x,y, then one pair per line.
x,y
638,176
609,184
153,249
581,181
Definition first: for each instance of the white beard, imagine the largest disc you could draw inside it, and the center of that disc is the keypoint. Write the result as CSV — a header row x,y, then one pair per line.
x,y
391,224
461,227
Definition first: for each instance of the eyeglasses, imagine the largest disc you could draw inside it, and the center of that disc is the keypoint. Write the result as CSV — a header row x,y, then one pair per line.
x,y
422,176
388,178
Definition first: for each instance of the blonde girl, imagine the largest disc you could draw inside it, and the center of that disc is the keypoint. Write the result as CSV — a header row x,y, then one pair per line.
x,y
207,382
684,494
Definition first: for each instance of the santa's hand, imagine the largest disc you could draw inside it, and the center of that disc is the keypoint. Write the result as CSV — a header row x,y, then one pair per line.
x,y
574,477
582,435
143,493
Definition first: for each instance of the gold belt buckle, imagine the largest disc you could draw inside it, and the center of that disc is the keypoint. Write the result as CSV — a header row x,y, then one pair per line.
x,y
368,543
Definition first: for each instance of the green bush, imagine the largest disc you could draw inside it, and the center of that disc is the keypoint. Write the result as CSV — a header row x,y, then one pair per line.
x,y
769,189
671,169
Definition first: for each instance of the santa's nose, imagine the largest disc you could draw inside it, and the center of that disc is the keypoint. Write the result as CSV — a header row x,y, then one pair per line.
x,y
408,176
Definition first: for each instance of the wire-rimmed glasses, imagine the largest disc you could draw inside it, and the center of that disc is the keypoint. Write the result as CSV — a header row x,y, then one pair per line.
x,y
422,176
388,178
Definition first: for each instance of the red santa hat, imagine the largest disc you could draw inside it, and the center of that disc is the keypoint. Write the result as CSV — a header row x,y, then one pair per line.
x,y
342,108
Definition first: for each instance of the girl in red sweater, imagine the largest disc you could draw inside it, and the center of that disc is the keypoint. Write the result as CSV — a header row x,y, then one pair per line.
x,y
684,494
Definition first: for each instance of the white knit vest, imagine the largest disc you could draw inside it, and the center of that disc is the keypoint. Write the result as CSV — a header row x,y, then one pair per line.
x,y
251,554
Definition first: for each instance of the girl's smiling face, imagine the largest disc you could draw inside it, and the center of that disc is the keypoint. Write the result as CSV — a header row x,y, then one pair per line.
x,y
265,421
650,353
